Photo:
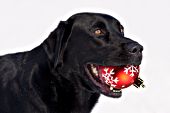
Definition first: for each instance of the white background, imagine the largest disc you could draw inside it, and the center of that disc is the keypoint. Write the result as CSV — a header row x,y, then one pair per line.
x,y
24,24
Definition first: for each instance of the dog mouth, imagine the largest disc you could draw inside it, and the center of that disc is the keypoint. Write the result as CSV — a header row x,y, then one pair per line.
x,y
112,79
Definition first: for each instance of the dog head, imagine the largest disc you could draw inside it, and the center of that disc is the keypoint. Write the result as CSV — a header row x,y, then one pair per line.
x,y
87,41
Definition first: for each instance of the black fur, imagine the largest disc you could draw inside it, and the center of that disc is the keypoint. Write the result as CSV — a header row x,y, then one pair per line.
x,y
51,78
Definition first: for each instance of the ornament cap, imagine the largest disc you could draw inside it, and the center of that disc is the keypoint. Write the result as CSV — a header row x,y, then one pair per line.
x,y
139,83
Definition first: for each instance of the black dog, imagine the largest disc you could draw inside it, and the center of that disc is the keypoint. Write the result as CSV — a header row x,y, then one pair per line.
x,y
55,77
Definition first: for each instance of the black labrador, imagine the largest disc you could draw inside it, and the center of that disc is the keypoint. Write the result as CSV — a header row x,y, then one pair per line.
x,y
55,77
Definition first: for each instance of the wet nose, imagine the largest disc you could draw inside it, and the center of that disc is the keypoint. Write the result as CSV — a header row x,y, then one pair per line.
x,y
134,48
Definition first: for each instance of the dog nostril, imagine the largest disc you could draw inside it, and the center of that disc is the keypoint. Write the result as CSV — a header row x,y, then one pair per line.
x,y
134,50
141,49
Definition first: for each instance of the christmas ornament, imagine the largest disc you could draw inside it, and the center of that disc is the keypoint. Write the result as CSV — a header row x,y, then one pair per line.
x,y
120,77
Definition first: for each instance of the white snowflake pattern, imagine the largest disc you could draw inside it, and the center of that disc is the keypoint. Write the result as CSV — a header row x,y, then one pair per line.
x,y
112,85
108,78
116,80
132,69
107,73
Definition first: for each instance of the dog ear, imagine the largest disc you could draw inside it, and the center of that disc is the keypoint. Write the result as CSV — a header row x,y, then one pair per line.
x,y
62,42
56,43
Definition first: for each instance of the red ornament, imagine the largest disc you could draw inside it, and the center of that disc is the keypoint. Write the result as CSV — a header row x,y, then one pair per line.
x,y
119,77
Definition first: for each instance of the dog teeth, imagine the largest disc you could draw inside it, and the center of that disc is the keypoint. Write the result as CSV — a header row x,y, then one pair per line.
x,y
115,91
111,88
94,70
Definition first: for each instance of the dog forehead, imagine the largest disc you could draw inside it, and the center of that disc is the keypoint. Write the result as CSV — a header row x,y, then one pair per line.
x,y
90,18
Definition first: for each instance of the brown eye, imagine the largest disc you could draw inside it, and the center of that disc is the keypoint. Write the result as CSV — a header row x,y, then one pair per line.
x,y
122,30
99,32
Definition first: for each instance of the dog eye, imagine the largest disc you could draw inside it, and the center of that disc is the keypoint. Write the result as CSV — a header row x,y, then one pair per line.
x,y
99,32
122,30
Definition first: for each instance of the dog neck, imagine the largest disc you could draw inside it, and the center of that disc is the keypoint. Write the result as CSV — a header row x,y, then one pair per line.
x,y
58,93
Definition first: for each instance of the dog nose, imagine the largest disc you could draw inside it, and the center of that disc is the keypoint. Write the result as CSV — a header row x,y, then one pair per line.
x,y
134,48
